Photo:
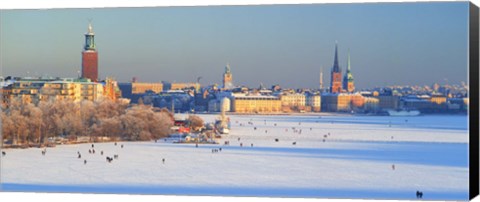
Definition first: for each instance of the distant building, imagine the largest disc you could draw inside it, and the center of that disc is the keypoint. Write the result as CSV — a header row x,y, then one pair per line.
x,y
74,90
338,102
139,88
126,89
438,99
371,104
33,90
342,102
417,103
177,100
314,101
336,75
201,100
293,100
111,89
225,104
348,83
388,101
90,57
425,103
28,89
227,78
357,101
180,86
242,103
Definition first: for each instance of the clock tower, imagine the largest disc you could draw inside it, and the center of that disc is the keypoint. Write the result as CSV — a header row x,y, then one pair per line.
x,y
90,56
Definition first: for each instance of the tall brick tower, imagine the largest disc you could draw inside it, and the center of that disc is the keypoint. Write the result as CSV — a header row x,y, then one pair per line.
x,y
348,84
90,56
336,75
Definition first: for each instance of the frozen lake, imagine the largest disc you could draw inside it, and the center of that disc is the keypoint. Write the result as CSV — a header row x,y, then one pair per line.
x,y
429,153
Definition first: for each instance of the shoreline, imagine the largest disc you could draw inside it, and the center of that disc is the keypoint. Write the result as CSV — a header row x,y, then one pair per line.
x,y
317,114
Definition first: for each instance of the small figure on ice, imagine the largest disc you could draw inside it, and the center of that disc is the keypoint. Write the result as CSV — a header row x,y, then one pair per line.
x,y
419,194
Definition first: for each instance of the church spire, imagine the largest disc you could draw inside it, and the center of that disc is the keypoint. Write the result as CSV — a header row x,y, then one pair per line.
x,y
336,74
336,67
321,79
348,82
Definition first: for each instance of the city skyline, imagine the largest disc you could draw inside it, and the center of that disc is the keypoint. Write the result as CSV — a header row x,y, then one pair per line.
x,y
277,44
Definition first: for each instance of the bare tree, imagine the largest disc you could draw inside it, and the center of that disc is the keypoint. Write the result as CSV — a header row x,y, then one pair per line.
x,y
29,123
196,123
35,122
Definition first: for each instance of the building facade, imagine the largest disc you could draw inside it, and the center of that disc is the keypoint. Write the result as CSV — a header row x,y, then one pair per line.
x,y
27,89
341,102
388,101
139,88
180,86
256,104
293,100
72,90
315,102
33,90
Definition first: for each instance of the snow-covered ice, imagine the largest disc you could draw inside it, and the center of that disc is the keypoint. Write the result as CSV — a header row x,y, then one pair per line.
x,y
430,154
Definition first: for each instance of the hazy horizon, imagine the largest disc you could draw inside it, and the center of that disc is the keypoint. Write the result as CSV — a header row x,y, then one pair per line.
x,y
389,43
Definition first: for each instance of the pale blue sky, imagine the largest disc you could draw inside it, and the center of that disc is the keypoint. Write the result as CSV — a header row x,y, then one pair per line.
x,y
389,43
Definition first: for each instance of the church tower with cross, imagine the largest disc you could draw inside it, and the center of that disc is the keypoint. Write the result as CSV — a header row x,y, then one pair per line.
x,y
348,84
336,75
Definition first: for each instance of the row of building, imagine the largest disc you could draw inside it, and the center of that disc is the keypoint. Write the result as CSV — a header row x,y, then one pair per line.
x,y
244,100
34,90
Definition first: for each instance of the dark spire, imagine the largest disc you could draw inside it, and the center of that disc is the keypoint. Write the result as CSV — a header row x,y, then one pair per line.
x,y
336,67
